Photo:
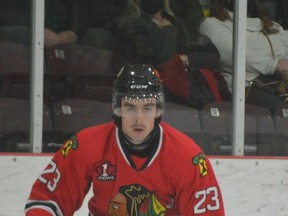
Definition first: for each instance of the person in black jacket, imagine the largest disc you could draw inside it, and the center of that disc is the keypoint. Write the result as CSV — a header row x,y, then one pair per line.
x,y
148,36
163,28
15,22
95,22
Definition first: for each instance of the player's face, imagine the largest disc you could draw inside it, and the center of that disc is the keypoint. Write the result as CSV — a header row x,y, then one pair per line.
x,y
138,118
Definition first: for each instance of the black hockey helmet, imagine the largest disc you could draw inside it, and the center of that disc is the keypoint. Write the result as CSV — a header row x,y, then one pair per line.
x,y
139,82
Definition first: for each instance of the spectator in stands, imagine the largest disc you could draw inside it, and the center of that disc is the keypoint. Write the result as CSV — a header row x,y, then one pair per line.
x,y
270,6
58,23
278,11
163,28
261,31
148,36
15,22
199,50
96,22
189,14
157,36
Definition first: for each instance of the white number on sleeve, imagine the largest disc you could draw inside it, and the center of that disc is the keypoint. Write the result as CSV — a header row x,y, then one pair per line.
x,y
53,169
213,203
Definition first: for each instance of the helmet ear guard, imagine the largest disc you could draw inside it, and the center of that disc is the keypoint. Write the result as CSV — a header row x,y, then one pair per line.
x,y
138,83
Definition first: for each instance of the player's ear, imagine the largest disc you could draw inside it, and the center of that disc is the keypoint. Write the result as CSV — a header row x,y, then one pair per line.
x,y
159,112
117,111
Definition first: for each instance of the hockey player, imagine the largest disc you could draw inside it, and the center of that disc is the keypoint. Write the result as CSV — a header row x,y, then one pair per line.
x,y
136,164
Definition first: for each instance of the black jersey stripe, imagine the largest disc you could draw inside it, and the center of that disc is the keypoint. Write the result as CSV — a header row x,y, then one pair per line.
x,y
46,205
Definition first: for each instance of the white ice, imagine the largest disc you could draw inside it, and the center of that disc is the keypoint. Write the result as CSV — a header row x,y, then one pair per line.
x,y
250,187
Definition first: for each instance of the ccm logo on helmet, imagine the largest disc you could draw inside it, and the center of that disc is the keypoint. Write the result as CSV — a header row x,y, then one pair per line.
x,y
138,86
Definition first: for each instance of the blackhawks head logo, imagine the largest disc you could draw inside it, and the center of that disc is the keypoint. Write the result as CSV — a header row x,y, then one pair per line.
x,y
136,200
200,160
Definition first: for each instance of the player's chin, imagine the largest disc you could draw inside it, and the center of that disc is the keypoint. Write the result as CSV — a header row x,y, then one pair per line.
x,y
137,139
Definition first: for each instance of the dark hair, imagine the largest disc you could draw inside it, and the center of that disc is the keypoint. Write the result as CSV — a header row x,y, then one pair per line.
x,y
255,8
218,9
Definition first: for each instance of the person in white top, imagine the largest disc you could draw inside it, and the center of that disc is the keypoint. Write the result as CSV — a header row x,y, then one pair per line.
x,y
266,45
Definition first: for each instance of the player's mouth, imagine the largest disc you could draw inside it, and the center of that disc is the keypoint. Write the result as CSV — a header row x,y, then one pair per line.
x,y
138,129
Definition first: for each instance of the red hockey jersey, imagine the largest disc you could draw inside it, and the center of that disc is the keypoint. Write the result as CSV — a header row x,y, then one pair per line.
x,y
177,179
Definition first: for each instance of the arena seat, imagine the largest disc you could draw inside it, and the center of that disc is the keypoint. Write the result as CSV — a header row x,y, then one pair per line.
x,y
15,58
17,85
63,59
15,115
260,132
93,87
184,118
215,120
187,120
99,70
91,69
15,127
15,72
280,114
260,137
72,115
76,60
18,141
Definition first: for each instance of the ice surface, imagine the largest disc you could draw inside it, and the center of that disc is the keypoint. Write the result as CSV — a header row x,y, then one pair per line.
x,y
250,186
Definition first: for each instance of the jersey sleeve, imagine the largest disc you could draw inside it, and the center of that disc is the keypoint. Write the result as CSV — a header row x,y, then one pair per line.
x,y
39,212
62,186
198,191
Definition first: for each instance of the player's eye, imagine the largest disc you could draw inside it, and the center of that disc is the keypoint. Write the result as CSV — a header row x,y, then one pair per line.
x,y
130,108
148,108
